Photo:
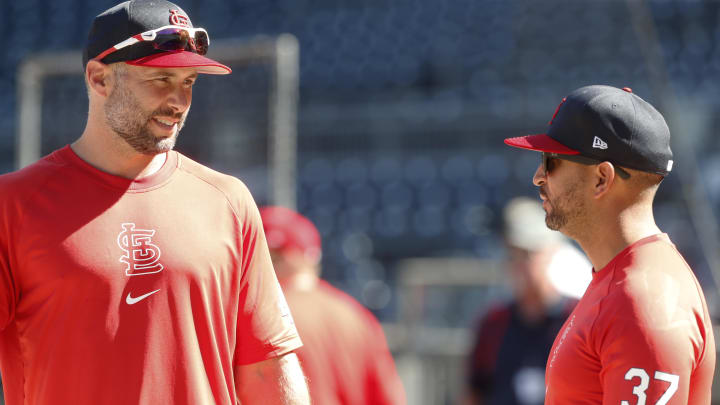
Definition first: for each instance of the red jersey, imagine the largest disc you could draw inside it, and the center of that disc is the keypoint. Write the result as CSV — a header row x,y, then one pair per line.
x,y
641,334
114,291
345,355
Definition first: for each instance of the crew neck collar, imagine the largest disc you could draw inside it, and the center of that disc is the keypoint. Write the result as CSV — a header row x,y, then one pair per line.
x,y
624,252
140,184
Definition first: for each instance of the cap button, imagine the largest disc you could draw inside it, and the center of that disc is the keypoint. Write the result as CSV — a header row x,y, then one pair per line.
x,y
628,89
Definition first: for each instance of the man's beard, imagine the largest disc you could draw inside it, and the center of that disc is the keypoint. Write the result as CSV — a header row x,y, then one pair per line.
x,y
565,209
127,119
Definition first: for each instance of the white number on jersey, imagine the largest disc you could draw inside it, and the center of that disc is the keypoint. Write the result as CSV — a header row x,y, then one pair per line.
x,y
642,386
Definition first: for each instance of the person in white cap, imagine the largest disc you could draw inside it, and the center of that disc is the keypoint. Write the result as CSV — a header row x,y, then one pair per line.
x,y
513,339
130,274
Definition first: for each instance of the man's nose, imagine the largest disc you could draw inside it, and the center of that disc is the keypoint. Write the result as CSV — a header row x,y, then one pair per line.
x,y
539,176
180,99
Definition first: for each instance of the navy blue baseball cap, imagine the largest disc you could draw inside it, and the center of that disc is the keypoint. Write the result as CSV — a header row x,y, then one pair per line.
x,y
153,33
607,124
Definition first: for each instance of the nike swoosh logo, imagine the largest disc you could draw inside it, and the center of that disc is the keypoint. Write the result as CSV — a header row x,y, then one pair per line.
x,y
130,300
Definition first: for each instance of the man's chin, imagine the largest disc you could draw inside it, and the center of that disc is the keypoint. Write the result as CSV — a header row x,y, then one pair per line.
x,y
161,146
553,223
165,145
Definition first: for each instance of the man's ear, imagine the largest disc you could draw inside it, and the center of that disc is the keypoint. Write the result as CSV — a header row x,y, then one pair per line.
x,y
603,177
97,75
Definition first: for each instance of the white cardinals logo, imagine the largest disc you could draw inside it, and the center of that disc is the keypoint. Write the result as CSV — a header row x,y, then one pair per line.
x,y
141,255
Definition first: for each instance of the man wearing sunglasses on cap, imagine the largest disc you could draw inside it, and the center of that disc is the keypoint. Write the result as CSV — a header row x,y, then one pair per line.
x,y
130,274
641,334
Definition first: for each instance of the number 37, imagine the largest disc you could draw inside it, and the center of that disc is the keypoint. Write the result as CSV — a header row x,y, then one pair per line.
x,y
639,390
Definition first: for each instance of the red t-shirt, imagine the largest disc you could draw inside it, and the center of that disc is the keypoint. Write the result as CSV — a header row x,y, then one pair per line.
x,y
345,355
115,291
641,334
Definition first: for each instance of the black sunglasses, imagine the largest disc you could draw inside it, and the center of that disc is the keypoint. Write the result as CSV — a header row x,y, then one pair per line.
x,y
547,158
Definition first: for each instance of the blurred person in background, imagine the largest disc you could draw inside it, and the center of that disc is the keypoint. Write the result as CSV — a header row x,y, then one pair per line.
x,y
129,273
513,339
641,333
345,355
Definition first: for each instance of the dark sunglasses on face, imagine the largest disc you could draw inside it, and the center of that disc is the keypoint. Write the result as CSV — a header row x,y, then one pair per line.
x,y
548,164
168,38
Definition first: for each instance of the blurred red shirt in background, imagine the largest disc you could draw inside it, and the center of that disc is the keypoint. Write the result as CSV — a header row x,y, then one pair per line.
x,y
345,354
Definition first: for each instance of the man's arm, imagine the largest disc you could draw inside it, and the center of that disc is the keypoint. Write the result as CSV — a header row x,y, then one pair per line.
x,y
279,380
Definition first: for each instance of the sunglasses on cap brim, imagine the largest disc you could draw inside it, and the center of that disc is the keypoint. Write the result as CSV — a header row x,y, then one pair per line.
x,y
167,38
547,158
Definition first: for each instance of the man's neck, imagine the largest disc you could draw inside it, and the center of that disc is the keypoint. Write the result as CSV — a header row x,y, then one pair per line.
x,y
611,234
116,158
299,281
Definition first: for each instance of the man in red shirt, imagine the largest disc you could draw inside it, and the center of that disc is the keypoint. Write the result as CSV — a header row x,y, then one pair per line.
x,y
641,334
345,355
130,274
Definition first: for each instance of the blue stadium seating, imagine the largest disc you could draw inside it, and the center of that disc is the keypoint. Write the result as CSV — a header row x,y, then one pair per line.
x,y
422,94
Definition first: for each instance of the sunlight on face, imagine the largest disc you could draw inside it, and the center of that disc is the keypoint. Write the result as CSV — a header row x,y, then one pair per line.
x,y
126,116
565,203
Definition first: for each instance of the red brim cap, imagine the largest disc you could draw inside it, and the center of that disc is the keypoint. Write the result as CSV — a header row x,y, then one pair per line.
x,y
181,59
287,230
541,143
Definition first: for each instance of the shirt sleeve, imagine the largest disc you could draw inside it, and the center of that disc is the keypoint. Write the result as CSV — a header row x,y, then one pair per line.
x,y
265,326
649,345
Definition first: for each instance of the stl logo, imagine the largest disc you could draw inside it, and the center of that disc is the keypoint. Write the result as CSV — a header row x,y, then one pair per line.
x,y
176,18
141,255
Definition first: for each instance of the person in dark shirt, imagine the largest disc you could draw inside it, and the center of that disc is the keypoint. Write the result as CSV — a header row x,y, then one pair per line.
x,y
513,338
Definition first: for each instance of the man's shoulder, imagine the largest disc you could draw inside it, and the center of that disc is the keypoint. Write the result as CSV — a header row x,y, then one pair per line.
x,y
341,297
497,314
655,258
225,183
30,179
326,302
653,279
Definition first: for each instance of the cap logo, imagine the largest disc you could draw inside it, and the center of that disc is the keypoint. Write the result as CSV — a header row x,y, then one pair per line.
x,y
557,110
176,18
599,143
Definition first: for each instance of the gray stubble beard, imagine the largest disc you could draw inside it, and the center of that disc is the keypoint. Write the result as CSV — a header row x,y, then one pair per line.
x,y
121,110
568,214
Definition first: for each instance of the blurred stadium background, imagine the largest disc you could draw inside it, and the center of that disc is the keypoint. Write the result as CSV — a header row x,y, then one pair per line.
x,y
401,113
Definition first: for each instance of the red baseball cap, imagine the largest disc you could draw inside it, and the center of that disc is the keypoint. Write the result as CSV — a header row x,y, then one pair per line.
x,y
182,59
540,142
286,230
152,33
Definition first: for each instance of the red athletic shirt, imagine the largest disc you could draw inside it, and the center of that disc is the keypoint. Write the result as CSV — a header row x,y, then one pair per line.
x,y
115,291
345,355
641,334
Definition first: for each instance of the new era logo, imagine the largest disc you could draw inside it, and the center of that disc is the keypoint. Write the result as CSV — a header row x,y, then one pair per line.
x,y
599,143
